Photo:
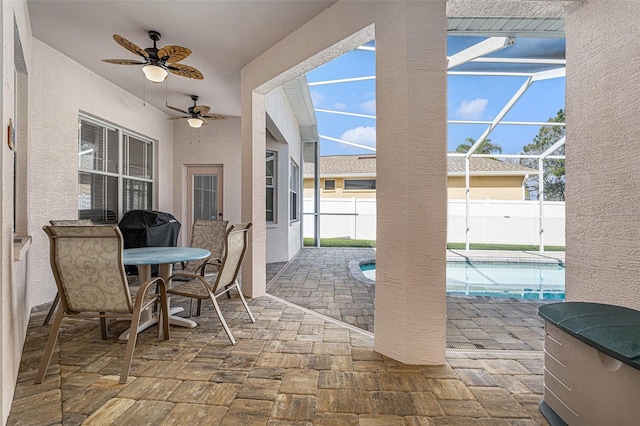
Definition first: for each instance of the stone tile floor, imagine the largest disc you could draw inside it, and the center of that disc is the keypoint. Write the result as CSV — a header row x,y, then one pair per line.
x,y
319,279
290,367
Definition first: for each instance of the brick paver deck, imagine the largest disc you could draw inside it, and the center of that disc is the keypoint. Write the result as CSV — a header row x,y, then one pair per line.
x,y
290,367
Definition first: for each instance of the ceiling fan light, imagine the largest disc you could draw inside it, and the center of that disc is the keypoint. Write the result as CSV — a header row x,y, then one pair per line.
x,y
195,122
155,73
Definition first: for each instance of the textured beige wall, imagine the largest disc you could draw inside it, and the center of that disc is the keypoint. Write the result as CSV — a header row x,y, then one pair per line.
x,y
58,89
14,292
603,189
339,192
217,143
277,238
411,188
486,187
283,237
411,92
482,188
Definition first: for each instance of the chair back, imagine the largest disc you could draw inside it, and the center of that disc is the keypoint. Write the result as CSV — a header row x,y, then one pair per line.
x,y
88,267
210,235
71,222
235,248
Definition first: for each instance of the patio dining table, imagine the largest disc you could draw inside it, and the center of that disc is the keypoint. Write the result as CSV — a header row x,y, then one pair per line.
x,y
165,257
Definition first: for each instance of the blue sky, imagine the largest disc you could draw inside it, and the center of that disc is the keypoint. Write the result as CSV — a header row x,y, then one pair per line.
x,y
468,98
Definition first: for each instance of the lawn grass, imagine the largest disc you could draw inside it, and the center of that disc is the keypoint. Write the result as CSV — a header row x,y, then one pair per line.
x,y
340,242
347,243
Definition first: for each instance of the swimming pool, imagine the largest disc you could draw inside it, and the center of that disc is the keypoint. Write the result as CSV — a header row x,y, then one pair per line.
x,y
499,279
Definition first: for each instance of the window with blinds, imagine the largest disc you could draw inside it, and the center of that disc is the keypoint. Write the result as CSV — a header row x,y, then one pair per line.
x,y
271,186
115,171
294,190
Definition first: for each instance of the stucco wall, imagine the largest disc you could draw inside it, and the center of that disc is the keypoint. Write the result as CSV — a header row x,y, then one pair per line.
x,y
339,192
411,99
277,238
14,293
283,237
603,189
59,89
482,188
486,187
217,143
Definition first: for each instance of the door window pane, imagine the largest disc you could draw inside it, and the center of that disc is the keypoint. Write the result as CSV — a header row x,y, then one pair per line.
x,y
205,197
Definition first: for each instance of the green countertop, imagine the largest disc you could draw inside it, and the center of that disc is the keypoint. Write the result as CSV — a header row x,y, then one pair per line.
x,y
614,330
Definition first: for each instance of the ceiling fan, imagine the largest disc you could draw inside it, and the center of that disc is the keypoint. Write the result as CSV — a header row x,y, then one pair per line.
x,y
158,63
197,115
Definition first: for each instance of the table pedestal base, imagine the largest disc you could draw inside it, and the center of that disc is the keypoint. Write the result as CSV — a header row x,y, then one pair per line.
x,y
148,319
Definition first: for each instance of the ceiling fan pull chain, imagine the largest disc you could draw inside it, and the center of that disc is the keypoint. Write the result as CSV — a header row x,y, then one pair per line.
x,y
144,93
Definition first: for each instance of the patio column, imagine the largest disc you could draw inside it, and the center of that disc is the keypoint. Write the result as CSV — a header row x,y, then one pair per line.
x,y
253,131
410,310
603,188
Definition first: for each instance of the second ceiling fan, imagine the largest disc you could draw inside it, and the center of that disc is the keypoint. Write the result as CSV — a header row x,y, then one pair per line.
x,y
197,115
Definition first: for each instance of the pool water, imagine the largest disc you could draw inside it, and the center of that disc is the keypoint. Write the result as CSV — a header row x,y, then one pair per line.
x,y
500,279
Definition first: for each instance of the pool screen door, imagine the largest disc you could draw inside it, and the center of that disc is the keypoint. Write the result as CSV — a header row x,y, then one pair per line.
x,y
205,194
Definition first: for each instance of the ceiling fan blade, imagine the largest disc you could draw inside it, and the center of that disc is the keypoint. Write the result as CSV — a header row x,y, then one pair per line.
x,y
185,71
173,53
123,61
176,118
215,117
201,109
176,109
131,47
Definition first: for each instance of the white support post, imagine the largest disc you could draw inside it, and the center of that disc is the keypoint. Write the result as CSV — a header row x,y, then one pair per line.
x,y
541,202
483,48
316,186
467,186
544,155
500,115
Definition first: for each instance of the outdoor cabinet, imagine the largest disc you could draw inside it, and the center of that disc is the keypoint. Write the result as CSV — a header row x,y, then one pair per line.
x,y
591,364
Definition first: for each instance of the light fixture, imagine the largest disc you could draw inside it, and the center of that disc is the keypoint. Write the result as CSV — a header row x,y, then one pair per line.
x,y
155,73
195,122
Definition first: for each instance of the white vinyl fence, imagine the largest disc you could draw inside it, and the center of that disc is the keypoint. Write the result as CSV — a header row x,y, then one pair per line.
x,y
491,221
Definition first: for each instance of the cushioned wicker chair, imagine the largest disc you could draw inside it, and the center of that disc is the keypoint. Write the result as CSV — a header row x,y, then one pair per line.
x,y
87,265
198,287
56,300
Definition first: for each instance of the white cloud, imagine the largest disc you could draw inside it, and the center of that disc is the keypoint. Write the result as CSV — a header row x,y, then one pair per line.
x,y
472,110
361,135
369,106
339,106
316,98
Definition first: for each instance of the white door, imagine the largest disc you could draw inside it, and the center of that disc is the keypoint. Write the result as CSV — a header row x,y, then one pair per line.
x,y
204,189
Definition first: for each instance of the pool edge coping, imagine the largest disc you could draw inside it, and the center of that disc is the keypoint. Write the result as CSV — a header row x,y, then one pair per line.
x,y
356,272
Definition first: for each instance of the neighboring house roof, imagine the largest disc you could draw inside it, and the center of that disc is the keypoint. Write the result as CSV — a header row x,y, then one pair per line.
x,y
365,165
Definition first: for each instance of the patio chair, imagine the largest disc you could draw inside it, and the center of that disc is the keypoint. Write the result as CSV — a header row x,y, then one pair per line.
x,y
210,235
56,300
88,268
198,287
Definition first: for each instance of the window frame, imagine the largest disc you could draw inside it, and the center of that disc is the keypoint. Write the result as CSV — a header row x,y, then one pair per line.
x,y
294,192
346,181
324,186
124,179
273,187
